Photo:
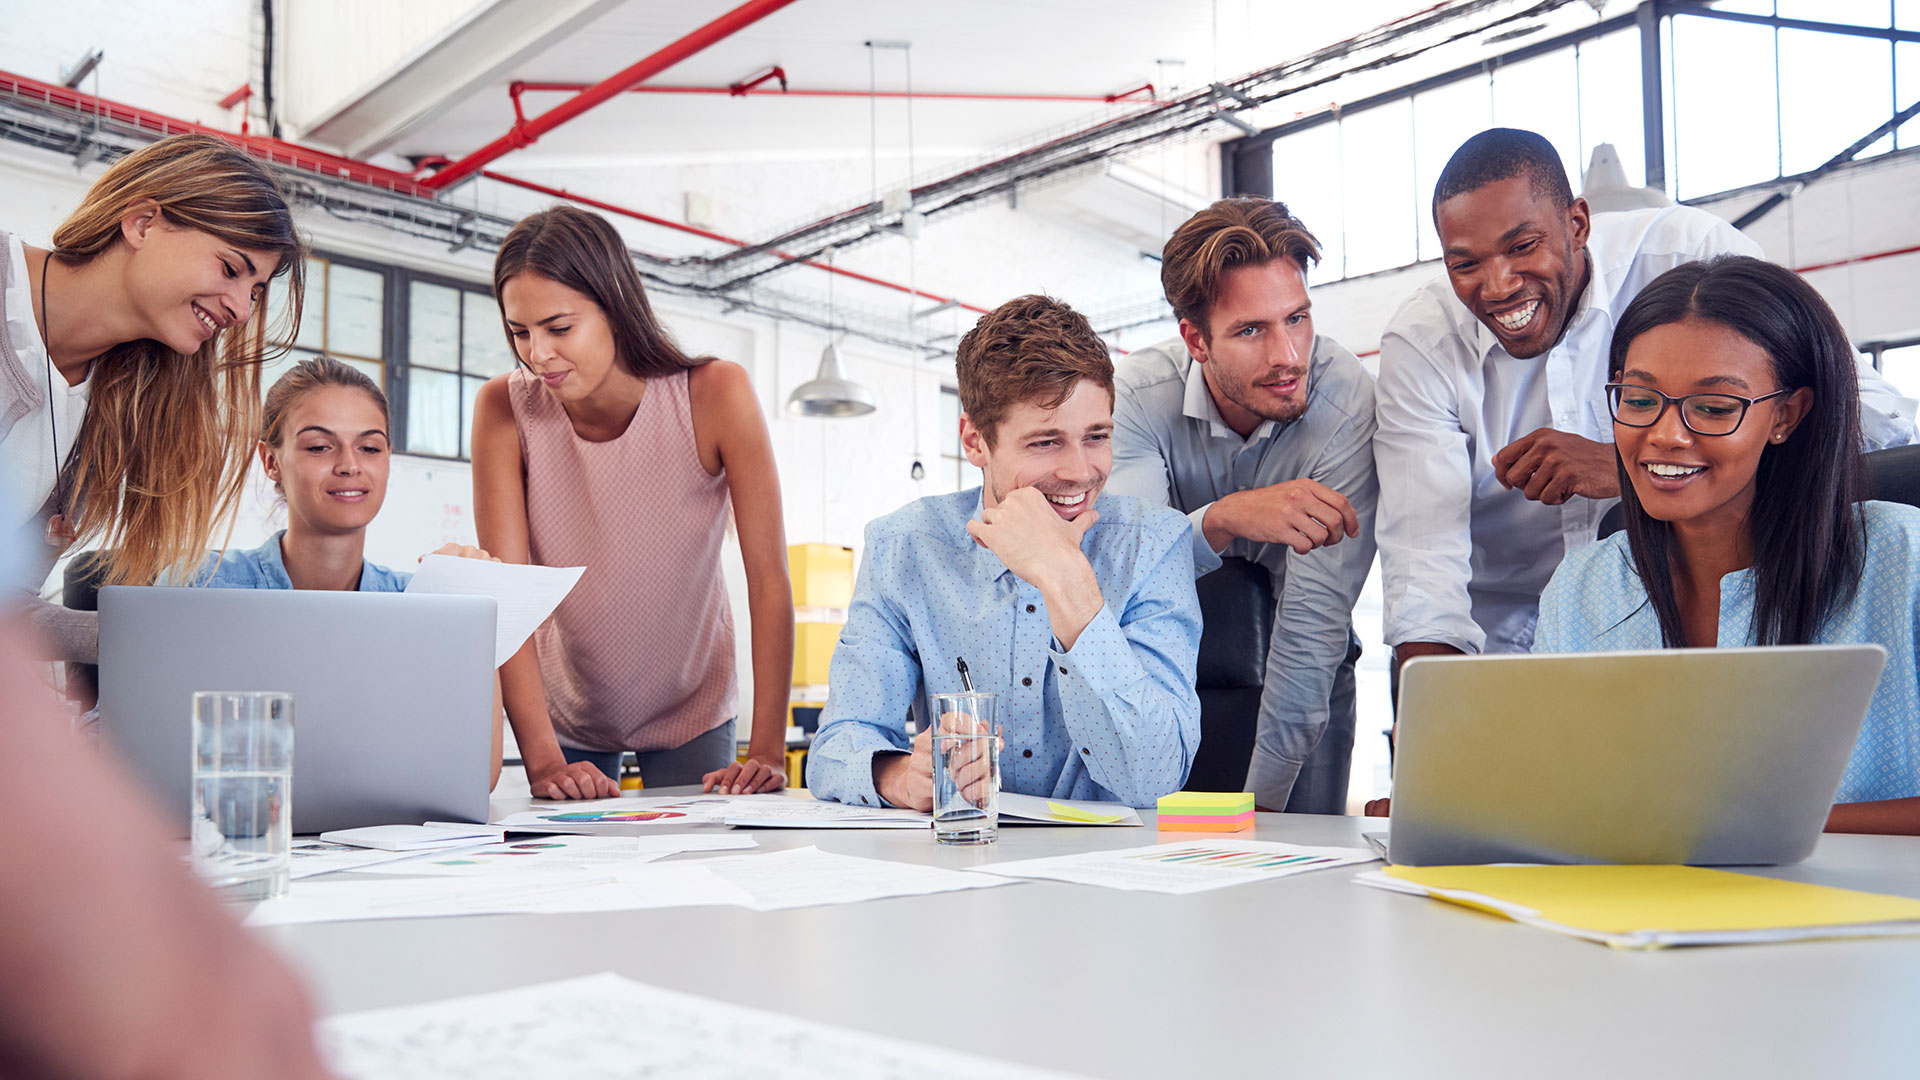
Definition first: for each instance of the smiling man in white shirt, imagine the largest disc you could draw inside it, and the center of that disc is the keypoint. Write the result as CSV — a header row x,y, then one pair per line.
x,y
1495,450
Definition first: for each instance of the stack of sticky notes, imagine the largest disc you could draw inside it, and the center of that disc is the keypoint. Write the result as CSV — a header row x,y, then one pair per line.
x,y
1206,811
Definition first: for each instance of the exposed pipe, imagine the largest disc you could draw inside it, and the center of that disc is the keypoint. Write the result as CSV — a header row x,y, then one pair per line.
x,y
612,208
523,133
1125,97
161,125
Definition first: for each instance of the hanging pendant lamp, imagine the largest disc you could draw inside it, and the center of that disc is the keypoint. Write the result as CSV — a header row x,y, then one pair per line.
x,y
830,392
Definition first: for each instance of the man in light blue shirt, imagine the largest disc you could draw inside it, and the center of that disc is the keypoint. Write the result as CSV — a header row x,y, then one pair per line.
x,y
1077,608
1262,432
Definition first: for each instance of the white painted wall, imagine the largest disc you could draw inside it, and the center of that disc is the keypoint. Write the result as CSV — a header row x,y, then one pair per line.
x,y
337,47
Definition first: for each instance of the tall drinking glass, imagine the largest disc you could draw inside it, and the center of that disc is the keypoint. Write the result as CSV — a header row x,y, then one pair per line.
x,y
966,768
242,830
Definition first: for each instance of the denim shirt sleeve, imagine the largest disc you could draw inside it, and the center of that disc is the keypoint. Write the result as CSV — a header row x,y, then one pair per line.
x,y
1127,686
873,680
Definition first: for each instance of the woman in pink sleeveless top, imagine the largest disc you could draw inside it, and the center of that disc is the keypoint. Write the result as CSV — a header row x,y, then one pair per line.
x,y
611,449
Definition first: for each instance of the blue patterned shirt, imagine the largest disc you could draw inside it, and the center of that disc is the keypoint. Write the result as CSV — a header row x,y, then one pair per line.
x,y
262,568
1115,718
1595,602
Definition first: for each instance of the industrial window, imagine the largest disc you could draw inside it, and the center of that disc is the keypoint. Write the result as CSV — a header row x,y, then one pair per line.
x,y
344,316
454,344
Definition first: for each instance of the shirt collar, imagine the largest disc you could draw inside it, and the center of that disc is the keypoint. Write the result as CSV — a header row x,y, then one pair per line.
x,y
1595,298
1198,405
272,566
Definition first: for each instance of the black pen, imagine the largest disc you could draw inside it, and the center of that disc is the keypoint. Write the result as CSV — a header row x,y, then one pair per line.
x,y
966,681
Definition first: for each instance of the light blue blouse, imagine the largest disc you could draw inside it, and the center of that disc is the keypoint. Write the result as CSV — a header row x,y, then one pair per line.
x,y
1596,603
263,568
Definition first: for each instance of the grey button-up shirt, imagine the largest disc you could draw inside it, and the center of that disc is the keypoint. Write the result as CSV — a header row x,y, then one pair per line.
x,y
1171,446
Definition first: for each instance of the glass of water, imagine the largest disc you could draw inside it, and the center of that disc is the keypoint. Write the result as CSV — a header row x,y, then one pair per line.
x,y
242,829
966,768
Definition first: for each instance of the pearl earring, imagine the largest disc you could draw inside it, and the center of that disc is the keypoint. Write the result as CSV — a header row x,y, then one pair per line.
x,y
1777,437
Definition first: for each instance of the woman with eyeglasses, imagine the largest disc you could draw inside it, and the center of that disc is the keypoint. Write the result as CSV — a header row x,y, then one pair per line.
x,y
1737,424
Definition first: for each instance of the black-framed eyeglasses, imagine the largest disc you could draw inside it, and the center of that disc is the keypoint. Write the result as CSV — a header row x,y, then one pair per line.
x,y
1704,414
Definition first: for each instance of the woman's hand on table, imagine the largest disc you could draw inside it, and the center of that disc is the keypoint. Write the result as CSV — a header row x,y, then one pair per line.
x,y
748,777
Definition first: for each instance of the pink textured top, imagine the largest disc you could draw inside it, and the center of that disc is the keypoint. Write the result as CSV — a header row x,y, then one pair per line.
x,y
640,655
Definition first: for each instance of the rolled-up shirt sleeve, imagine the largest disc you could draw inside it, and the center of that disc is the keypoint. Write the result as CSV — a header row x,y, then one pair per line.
x,y
1421,456
1310,640
873,680
1127,686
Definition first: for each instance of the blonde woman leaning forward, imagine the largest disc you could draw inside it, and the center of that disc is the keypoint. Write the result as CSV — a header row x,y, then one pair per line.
x,y
129,367
612,449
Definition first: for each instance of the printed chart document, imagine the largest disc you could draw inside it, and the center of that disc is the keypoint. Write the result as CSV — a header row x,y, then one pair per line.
x,y
526,594
808,877
608,1026
1651,907
1179,868
593,814
787,812
312,856
532,855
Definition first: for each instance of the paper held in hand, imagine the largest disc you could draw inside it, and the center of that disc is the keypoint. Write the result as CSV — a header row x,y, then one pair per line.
x,y
526,594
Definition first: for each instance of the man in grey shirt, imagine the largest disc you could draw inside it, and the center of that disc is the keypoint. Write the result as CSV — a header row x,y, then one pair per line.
x,y
1262,432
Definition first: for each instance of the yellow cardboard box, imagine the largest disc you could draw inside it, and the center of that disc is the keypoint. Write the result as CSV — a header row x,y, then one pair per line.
x,y
813,644
822,575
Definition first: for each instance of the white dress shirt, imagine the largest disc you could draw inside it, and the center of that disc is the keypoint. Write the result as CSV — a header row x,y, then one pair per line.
x,y
1463,559
1171,446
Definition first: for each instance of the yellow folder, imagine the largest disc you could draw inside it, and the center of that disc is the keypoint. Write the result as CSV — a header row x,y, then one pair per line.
x,y
1658,906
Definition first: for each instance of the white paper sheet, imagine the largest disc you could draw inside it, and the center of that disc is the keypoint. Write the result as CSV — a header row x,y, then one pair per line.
x,y
548,854
639,887
526,594
806,877
607,1026
1184,867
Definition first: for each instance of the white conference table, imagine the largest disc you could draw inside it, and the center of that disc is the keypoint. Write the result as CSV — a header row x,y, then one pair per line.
x,y
1310,975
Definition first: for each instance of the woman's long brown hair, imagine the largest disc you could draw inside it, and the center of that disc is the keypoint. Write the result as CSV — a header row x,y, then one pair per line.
x,y
162,457
581,250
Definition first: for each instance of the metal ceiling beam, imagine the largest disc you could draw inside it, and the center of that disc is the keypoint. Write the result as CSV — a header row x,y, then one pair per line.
x,y
478,51
525,132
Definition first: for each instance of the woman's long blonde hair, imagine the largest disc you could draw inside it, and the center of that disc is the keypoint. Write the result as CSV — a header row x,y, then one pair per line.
x,y
163,455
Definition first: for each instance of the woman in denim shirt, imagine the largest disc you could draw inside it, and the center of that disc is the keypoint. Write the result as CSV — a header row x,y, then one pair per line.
x,y
1737,421
323,443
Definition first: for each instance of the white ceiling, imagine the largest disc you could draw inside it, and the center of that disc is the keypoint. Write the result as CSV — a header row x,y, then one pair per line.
x,y
1089,47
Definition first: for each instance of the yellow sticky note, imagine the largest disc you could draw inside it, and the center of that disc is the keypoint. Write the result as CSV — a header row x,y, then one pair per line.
x,y
1063,812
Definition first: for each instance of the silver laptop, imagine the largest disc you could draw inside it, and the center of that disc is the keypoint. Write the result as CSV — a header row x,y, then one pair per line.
x,y
393,694
1700,756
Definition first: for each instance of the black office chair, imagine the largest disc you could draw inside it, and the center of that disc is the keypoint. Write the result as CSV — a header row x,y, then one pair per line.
x,y
1237,604
80,591
1893,475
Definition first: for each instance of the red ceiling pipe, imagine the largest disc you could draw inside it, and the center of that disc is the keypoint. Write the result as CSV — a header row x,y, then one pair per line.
x,y
161,125
741,88
563,193
524,133
1126,98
